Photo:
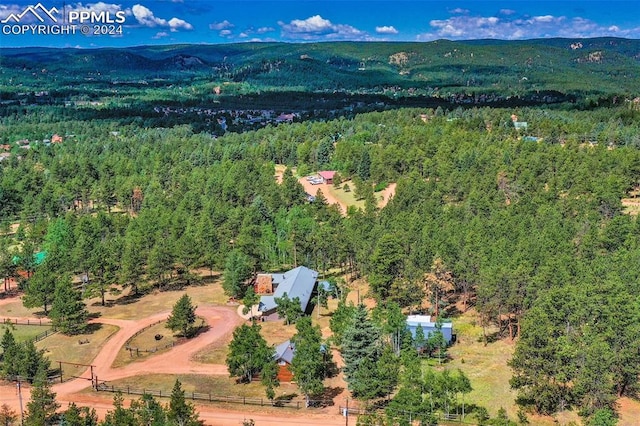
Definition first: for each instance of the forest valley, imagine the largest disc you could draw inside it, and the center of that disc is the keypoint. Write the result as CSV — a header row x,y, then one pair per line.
x,y
524,225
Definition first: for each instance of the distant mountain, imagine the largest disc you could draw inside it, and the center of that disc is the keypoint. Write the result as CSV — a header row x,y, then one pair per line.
x,y
573,66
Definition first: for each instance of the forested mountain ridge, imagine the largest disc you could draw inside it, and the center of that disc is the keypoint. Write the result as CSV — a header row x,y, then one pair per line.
x,y
439,68
527,225
532,233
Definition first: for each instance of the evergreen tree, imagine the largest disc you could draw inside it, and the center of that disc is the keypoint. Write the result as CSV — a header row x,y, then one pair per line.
x,y
248,353
249,300
308,365
364,167
238,269
119,416
183,316
289,309
43,405
8,417
79,416
31,361
147,411
41,287
10,354
68,311
325,151
269,378
340,320
360,344
180,412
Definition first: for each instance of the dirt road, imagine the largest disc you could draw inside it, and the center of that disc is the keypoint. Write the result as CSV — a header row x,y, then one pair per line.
x,y
178,360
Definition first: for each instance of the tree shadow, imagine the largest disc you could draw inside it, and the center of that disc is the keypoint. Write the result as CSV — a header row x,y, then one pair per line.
x,y
91,328
327,397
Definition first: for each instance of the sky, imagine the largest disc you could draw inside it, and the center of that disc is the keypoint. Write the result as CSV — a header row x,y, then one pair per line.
x,y
54,23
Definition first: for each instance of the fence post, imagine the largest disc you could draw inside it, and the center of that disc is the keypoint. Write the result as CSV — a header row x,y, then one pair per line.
x,y
60,364
127,389
244,400
209,396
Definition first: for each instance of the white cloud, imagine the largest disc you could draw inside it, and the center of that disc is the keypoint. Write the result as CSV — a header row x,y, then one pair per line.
x,y
387,29
316,27
224,25
225,33
160,35
176,23
508,26
145,17
460,10
243,35
263,30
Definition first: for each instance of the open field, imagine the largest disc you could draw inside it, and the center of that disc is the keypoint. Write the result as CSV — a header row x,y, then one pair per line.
x,y
487,369
146,341
70,349
215,385
23,333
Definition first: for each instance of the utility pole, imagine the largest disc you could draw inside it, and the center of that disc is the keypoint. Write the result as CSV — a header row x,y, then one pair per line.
x,y
346,413
20,399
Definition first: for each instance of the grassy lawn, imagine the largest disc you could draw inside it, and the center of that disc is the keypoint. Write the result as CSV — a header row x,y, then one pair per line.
x,y
215,385
274,332
486,367
23,333
346,198
156,301
15,309
69,349
146,341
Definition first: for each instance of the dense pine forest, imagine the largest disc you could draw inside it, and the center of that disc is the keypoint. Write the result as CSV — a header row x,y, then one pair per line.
x,y
526,224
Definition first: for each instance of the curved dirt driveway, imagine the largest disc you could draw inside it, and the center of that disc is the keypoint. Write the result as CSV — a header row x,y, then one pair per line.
x,y
222,320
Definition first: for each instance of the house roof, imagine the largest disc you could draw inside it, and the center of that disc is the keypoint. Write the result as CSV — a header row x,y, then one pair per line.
x,y
425,322
327,174
285,351
298,282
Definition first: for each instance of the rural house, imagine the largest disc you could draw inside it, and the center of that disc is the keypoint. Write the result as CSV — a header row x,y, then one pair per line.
x,y
429,327
327,176
284,357
299,282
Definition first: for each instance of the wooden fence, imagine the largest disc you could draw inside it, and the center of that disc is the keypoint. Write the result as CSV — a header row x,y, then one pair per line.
x,y
14,321
197,396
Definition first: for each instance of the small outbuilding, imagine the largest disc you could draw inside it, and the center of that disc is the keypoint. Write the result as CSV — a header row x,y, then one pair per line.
x,y
327,176
429,327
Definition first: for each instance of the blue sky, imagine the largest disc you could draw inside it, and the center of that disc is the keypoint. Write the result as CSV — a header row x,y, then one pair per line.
x,y
195,21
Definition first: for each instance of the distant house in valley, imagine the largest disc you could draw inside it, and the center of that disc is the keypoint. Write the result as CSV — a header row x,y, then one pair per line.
x,y
56,139
285,118
5,147
327,176
4,155
299,282
429,327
